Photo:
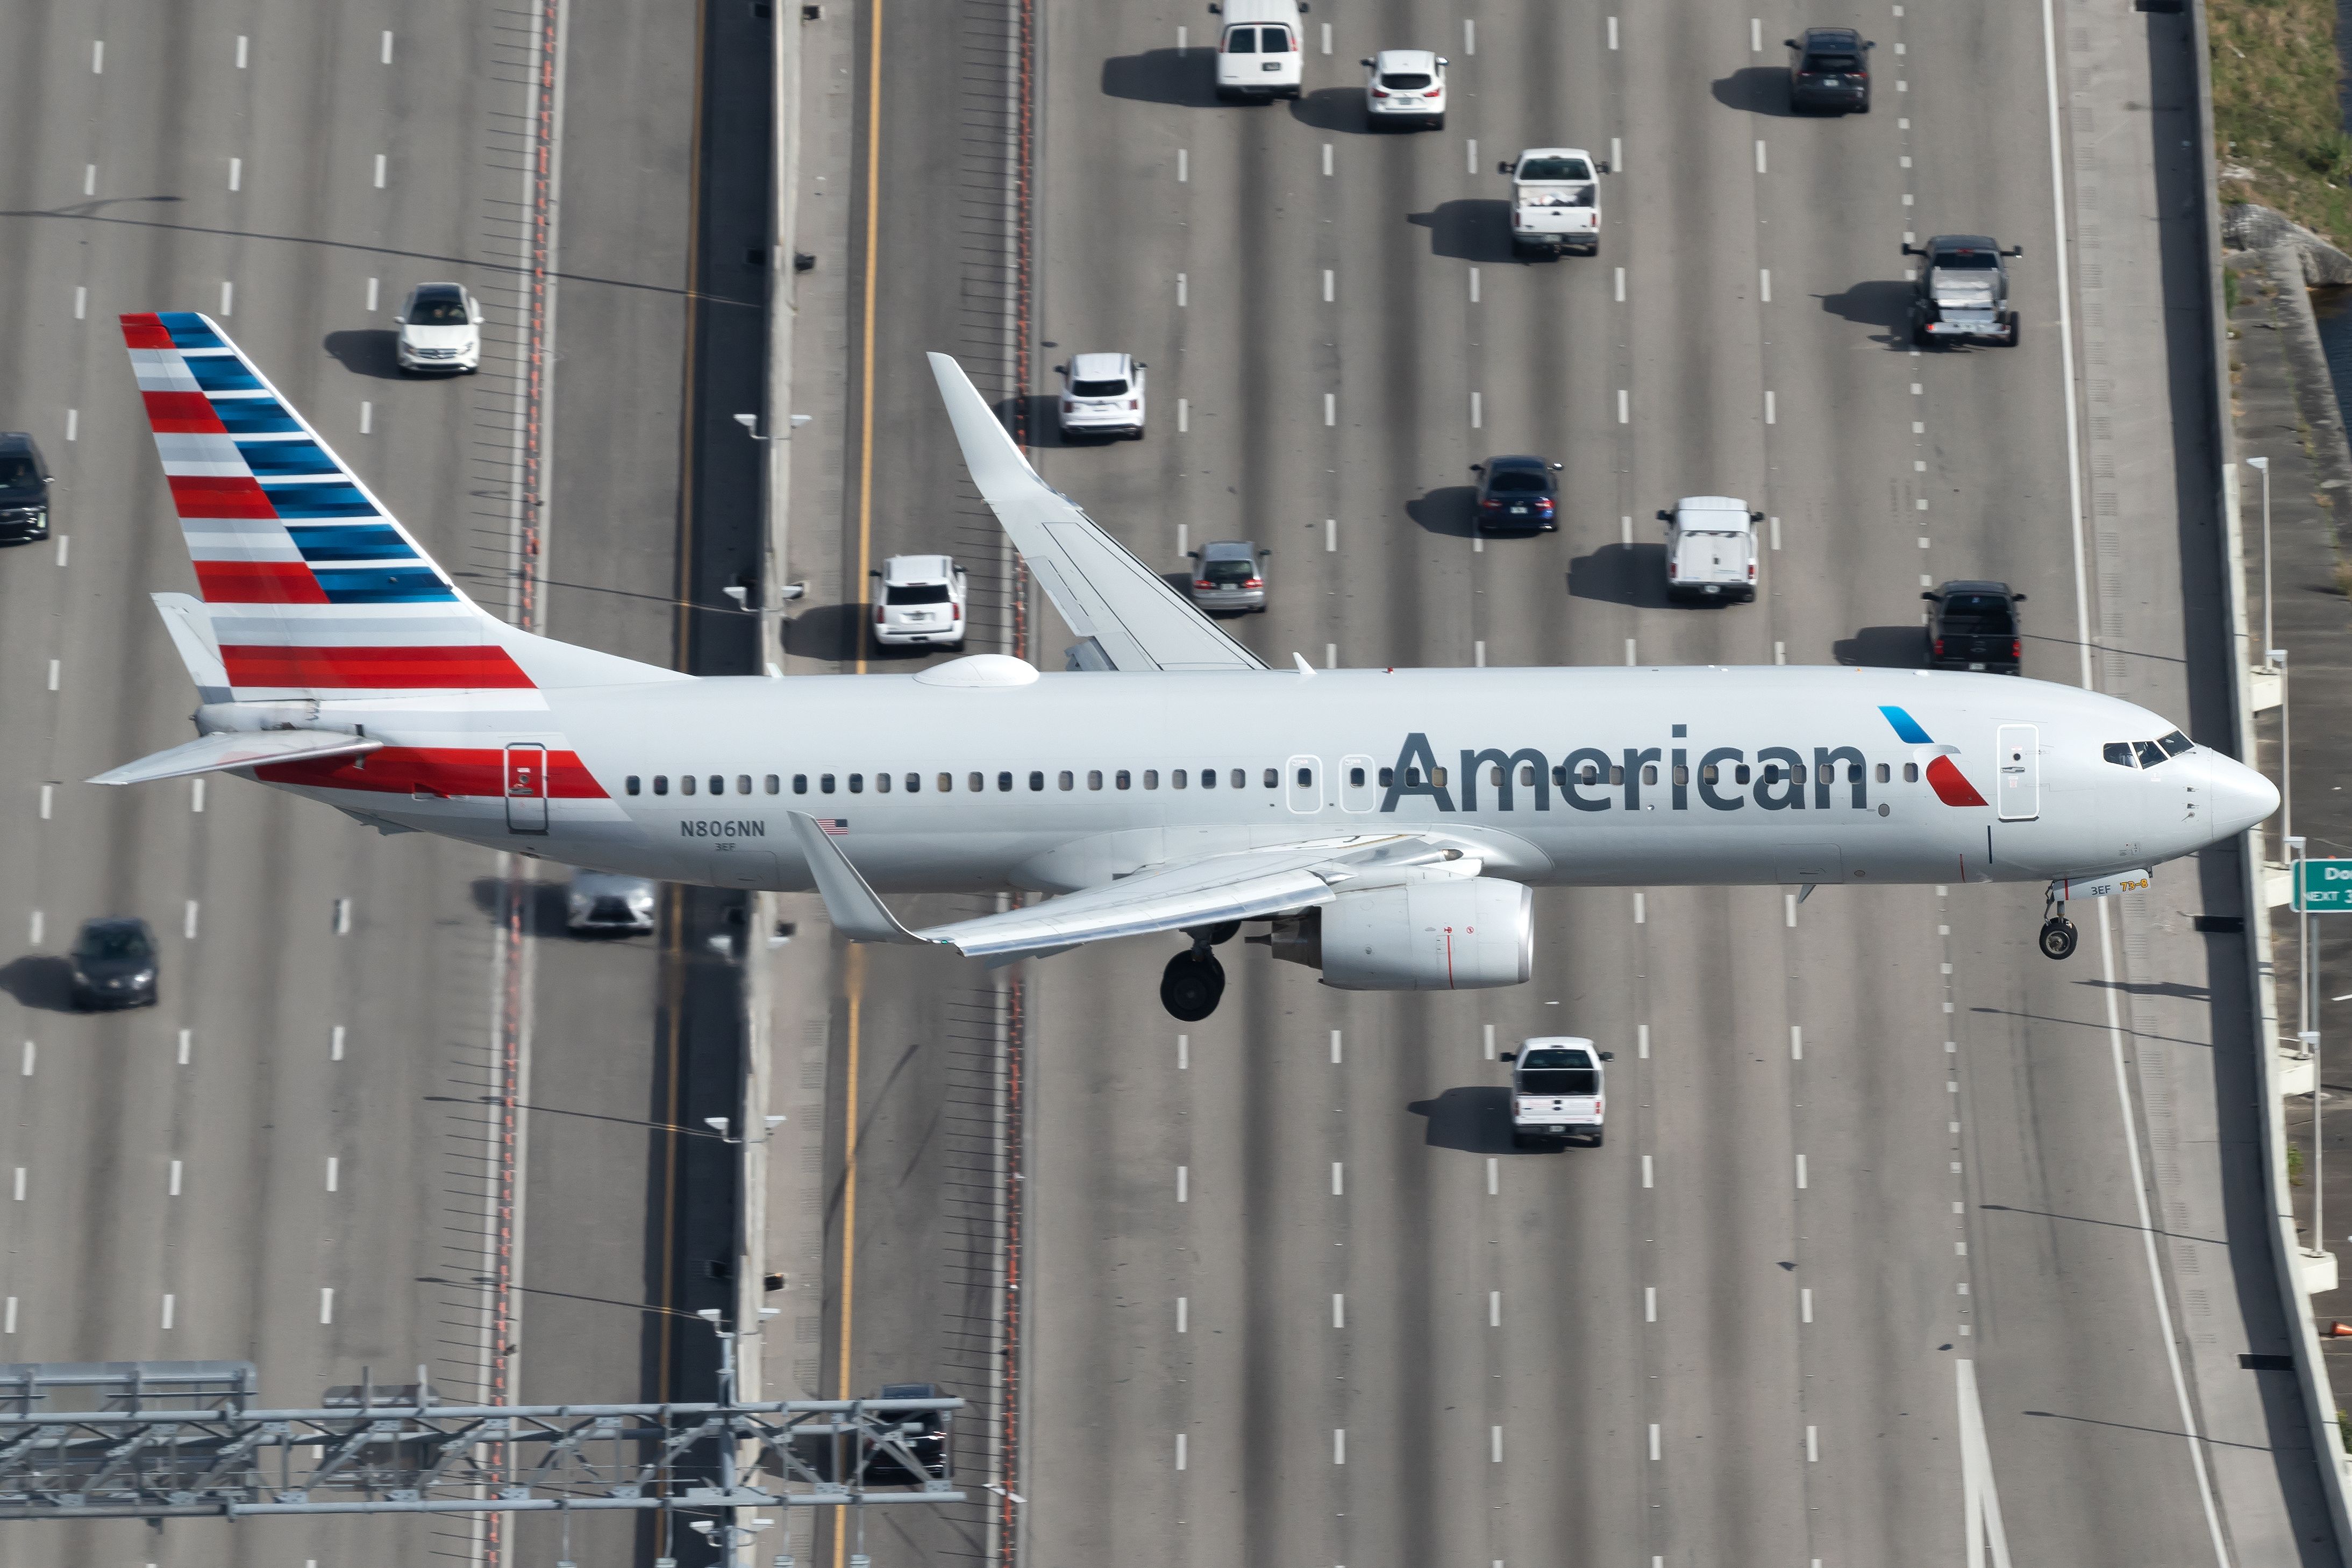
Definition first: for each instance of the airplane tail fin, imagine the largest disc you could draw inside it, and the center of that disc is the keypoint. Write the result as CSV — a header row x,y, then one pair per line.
x,y
310,587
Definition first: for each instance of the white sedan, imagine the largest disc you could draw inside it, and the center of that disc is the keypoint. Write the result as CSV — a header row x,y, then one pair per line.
x,y
440,329
1405,87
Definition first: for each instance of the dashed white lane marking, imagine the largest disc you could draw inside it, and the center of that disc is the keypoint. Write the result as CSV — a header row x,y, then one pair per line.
x,y
1183,39
1182,1325
1183,1184
171,1304
1494,1309
228,298
1796,1043
1183,417
235,174
81,302
1813,1445
1759,155
373,284
8,1317
387,45
1180,292
36,938
89,179
1625,406
1326,157
1616,156
1331,651
1330,285
1330,408
1180,546
1330,533
1489,1030
1789,901
1183,166
335,1045
1641,901
1642,1033
1621,285
1339,1445
1805,1305
1771,413
1471,148
1654,1441
1469,35
1494,1177
1916,389
1780,653
1776,533
1613,31
1626,528
1478,411
379,170
49,793
1908,198
20,1183
1902,86
1474,285
1494,1445
1334,1047
73,425
334,1168
1338,1184
1179,1450
326,1303
240,51
98,56
1327,37
187,1039
1649,1303
1801,1172
1338,1310
367,417
189,926
1649,1172
1764,285
173,1189
57,673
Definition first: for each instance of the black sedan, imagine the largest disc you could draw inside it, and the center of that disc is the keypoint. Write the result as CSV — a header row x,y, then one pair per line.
x,y
1830,72
1974,626
1517,492
114,965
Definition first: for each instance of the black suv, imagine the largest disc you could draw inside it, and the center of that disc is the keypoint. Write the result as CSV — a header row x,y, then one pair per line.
x,y
114,965
24,490
1830,72
1974,626
1517,492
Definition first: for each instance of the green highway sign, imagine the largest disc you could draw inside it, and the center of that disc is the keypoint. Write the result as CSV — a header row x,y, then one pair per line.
x,y
2324,887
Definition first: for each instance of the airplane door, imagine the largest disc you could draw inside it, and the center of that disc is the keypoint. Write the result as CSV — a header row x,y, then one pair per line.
x,y
1303,782
526,787
1359,783
2020,773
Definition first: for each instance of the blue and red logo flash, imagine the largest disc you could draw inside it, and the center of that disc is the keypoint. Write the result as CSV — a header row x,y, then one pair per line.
x,y
1952,785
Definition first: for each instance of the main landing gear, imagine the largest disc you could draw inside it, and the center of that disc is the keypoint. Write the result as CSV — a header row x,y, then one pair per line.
x,y
2058,933
1194,982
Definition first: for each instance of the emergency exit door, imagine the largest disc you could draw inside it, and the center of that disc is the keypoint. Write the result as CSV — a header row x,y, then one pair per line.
x,y
2020,783
526,787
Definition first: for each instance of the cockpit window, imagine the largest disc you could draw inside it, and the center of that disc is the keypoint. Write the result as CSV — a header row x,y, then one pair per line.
x,y
2150,753
2174,743
2120,753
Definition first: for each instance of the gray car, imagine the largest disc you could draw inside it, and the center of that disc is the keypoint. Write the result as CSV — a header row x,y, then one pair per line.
x,y
1229,577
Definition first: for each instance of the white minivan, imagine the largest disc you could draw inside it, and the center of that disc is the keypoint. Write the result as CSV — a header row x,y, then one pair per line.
x,y
1258,54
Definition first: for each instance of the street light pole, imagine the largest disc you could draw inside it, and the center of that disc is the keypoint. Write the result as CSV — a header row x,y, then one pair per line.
x,y
2263,467
2277,657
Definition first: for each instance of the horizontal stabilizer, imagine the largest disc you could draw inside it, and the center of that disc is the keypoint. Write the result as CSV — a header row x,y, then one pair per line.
x,y
238,749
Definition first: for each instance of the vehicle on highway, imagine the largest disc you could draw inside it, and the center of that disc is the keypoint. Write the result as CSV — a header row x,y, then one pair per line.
x,y
1555,200
1386,824
1711,550
1974,626
607,901
113,963
1830,72
440,329
1556,1091
1961,294
1258,55
1102,394
924,1433
1517,492
1406,87
919,602
23,489
1229,577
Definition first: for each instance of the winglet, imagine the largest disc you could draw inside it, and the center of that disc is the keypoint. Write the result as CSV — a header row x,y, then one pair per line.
x,y
1306,670
857,912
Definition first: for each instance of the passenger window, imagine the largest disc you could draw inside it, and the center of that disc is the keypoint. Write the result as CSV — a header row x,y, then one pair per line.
x,y
1709,775
1883,771
1004,783
973,782
1067,781
1740,774
1797,772
1151,778
824,783
1355,778
881,783
1649,772
914,784
1306,776
1274,777
1176,779
719,783
661,784
743,784
800,783
858,783
633,784
1093,778
1910,772
685,783
1853,773
1771,772
1036,780
1682,773
1559,777
1240,41
1208,778
1123,779
1617,775
1277,41
1590,773
1437,777
1411,777
1493,773
1387,778
1527,773
947,783
775,785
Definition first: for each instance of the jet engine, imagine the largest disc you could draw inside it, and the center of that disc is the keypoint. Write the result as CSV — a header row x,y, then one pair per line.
x,y
1451,935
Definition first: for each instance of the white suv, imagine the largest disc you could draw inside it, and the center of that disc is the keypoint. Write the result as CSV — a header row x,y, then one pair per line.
x,y
1102,394
920,603
1405,87
440,329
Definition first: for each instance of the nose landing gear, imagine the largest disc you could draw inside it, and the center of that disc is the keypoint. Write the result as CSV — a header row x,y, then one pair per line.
x,y
2058,933
1194,982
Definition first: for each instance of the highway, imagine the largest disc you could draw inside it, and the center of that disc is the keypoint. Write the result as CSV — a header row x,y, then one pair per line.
x,y
286,1160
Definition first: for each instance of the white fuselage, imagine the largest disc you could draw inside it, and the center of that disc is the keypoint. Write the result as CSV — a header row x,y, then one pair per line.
x,y
1020,786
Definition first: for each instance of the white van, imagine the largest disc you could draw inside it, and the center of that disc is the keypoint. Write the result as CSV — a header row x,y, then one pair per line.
x,y
1259,53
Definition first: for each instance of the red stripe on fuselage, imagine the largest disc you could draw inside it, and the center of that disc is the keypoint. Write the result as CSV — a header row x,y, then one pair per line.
x,y
145,330
1952,786
259,582
434,770
182,413
218,495
430,668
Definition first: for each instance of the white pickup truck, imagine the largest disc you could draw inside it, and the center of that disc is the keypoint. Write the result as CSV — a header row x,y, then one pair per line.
x,y
1555,200
1556,1091
1711,549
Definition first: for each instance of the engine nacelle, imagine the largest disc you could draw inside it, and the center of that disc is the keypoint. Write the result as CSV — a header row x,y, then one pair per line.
x,y
1424,936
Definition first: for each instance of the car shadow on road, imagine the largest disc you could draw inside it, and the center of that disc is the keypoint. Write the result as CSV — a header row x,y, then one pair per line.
x,y
544,904
43,981
1757,89
1631,574
1448,511
1045,429
826,631
1339,109
1185,77
1470,229
1476,1120
1883,648
366,351
1881,303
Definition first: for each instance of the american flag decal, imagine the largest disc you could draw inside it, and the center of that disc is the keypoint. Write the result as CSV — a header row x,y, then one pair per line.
x,y
835,827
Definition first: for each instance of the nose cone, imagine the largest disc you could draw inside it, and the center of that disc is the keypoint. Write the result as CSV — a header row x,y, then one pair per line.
x,y
2239,797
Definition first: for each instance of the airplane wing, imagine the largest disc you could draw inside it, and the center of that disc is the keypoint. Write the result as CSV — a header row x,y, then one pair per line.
x,y
1250,884
1131,618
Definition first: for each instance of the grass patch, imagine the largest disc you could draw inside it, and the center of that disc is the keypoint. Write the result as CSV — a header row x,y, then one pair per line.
x,y
2293,1165
2275,112
2230,289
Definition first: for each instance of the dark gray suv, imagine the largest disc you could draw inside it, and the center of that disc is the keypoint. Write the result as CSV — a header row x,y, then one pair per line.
x,y
1830,72
24,490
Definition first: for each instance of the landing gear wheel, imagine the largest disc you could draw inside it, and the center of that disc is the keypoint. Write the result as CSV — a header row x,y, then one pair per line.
x,y
2058,938
1192,986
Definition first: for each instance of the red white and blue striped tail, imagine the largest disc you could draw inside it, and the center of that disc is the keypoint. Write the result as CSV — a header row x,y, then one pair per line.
x,y
311,587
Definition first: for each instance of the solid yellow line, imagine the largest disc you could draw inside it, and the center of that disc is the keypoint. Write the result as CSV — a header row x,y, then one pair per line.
x,y
853,975
866,361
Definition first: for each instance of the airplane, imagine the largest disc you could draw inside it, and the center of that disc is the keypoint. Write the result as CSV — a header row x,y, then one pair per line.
x,y
1384,825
